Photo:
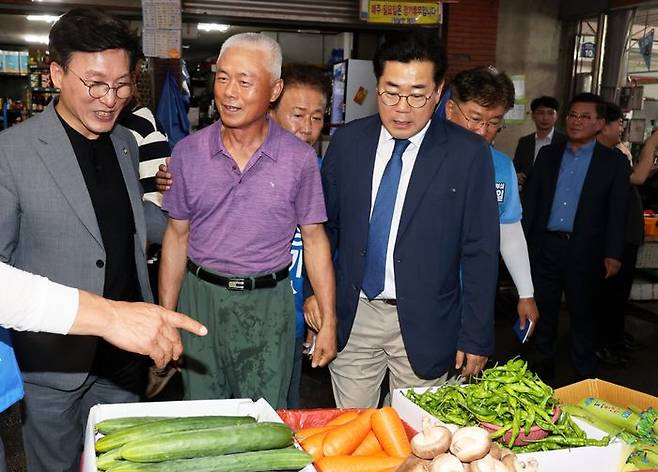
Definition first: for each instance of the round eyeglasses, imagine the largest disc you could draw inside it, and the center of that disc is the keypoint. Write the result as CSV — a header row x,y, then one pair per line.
x,y
393,98
477,123
100,89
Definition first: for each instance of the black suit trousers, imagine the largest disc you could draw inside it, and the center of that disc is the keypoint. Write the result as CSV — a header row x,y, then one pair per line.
x,y
554,272
612,301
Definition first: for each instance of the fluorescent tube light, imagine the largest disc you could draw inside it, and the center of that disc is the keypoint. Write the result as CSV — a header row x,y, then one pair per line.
x,y
36,38
43,18
213,27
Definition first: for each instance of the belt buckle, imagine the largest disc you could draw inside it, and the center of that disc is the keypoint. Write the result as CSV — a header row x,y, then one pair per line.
x,y
236,284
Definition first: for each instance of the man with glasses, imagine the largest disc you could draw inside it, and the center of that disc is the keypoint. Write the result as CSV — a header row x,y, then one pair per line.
x,y
479,100
71,210
412,220
544,114
575,205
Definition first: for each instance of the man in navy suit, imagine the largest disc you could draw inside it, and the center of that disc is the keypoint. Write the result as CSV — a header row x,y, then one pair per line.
x,y
574,216
413,223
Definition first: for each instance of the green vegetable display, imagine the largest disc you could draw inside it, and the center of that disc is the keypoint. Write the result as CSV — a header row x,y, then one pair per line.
x,y
278,459
208,442
204,443
511,397
170,425
115,424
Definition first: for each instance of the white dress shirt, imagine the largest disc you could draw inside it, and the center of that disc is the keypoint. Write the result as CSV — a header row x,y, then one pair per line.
x,y
34,303
383,155
541,142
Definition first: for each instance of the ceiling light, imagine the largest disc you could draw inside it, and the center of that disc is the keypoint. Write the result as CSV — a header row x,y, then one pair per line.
x,y
36,38
213,27
43,18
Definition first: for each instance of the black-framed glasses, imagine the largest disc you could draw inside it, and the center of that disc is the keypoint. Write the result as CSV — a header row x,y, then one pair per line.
x,y
477,123
572,115
100,89
393,98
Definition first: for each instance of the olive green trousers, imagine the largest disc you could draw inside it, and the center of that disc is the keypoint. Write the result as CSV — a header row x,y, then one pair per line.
x,y
248,351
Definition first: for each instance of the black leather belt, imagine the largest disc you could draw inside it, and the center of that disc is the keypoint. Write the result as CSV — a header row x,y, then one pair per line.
x,y
389,301
561,234
238,283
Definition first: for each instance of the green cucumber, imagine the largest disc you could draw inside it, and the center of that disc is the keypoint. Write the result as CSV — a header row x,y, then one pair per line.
x,y
115,424
276,459
208,442
108,459
119,438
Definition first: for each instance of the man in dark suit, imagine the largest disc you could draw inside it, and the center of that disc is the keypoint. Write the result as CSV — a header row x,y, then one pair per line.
x,y
574,217
413,223
544,114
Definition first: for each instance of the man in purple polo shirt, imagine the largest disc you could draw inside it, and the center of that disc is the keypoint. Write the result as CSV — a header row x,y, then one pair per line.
x,y
242,186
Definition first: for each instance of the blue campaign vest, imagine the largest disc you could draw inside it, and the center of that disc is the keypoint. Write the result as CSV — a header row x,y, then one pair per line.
x,y
11,382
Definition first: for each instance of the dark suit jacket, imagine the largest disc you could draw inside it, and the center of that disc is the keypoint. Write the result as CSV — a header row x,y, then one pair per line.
x,y
446,253
600,223
525,151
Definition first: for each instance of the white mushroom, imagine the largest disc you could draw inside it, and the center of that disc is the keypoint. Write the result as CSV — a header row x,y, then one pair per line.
x,y
484,464
453,428
505,452
414,464
430,442
495,451
470,444
488,464
446,463
531,465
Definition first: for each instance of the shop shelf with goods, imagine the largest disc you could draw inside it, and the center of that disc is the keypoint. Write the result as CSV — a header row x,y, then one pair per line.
x,y
13,85
41,87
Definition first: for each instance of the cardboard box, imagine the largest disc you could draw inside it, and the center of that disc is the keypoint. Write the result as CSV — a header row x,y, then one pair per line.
x,y
600,459
608,391
261,410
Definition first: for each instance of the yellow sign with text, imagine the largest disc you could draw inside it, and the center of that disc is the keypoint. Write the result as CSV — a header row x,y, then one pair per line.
x,y
404,13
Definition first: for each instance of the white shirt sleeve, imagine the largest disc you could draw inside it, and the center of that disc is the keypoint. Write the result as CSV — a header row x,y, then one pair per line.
x,y
514,249
34,303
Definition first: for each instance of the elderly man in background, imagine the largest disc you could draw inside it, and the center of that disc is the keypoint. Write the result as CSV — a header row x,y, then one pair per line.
x,y
242,187
300,109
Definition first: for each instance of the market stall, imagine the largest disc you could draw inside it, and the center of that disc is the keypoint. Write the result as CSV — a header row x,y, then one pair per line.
x,y
505,420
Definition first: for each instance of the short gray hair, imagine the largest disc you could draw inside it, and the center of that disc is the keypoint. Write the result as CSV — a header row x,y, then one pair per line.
x,y
259,41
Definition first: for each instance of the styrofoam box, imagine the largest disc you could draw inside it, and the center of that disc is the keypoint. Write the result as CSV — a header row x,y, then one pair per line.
x,y
261,410
600,459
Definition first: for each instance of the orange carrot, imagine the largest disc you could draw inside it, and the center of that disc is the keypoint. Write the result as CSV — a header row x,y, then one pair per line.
x,y
379,453
358,463
304,433
368,446
388,427
313,445
344,439
343,418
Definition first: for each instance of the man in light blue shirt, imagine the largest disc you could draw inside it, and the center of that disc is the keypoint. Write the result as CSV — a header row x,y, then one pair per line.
x,y
573,169
477,100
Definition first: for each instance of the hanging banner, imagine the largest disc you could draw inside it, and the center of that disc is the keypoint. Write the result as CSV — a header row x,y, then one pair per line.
x,y
404,12
646,45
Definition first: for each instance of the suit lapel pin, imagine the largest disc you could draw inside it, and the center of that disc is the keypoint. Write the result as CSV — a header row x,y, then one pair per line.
x,y
125,152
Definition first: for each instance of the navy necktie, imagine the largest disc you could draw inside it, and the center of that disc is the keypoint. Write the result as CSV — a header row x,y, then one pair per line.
x,y
380,223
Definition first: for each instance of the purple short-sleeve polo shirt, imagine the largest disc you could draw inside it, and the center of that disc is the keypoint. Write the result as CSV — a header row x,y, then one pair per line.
x,y
242,223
